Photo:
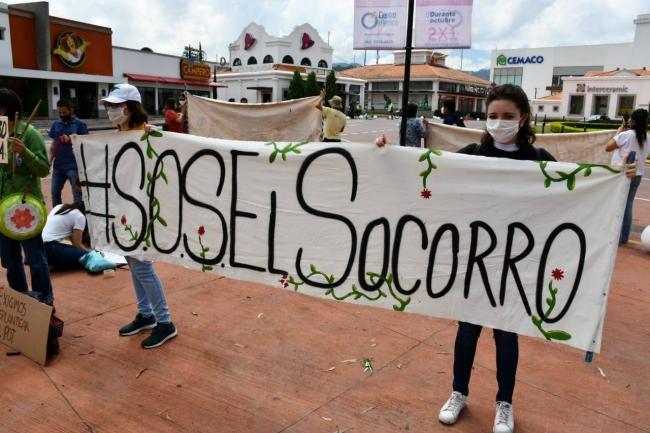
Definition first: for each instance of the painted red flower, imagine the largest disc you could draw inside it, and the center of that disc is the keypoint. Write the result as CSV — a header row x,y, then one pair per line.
x,y
557,274
23,219
425,194
123,220
283,281
201,231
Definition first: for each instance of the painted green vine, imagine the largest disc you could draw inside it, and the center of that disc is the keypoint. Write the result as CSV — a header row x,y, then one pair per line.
x,y
204,250
555,334
426,156
129,229
288,280
151,179
570,178
288,148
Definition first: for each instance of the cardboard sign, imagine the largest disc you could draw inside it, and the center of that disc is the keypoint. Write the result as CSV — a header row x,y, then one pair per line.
x,y
4,135
514,245
24,324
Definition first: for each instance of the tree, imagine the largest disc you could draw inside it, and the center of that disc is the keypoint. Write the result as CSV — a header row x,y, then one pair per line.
x,y
330,86
311,85
296,86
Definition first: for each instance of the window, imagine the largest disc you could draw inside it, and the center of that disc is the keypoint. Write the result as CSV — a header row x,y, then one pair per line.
x,y
322,64
236,62
556,108
447,87
600,105
2,33
577,105
355,90
268,59
508,76
420,85
385,85
252,61
305,62
288,60
540,108
625,105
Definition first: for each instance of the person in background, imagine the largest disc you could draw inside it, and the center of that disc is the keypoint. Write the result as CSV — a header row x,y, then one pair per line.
x,y
124,107
65,166
625,141
449,115
65,221
173,119
182,102
416,130
31,163
335,120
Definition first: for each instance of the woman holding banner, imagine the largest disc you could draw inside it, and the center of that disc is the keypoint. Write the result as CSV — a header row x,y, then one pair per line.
x,y
124,108
634,139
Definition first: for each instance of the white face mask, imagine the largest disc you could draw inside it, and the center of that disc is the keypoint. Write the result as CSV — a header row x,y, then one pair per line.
x,y
503,131
116,115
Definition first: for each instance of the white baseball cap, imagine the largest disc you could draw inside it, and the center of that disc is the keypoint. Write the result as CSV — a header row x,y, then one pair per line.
x,y
122,93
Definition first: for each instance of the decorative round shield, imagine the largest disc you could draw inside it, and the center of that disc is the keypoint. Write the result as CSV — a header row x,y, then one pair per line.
x,y
22,220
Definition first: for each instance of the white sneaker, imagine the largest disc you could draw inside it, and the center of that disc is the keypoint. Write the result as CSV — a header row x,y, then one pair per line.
x,y
451,409
504,421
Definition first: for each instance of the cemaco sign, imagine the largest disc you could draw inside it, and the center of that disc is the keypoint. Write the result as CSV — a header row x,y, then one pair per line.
x,y
195,71
519,60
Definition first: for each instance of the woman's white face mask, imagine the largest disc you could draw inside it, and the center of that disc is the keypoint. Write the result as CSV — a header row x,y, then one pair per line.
x,y
116,115
503,131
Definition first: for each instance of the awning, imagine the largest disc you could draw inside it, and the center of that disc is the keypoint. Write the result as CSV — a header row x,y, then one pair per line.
x,y
171,80
260,88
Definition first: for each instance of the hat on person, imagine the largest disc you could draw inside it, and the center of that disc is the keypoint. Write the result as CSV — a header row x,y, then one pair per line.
x,y
122,93
336,102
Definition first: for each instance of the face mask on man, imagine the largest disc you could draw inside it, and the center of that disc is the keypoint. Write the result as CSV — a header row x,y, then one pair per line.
x,y
66,118
116,115
503,131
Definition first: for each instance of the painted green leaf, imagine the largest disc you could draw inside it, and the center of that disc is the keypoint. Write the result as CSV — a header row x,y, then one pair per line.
x,y
424,173
149,152
437,152
549,302
423,156
149,177
562,173
162,221
207,267
164,177
155,133
536,321
143,137
571,183
206,249
558,335
273,155
202,255
296,150
587,171
270,143
547,182
284,156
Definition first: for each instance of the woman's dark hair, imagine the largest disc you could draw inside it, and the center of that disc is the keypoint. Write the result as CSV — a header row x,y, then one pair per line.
x,y
65,103
411,110
137,114
515,94
11,103
450,105
170,104
640,119
69,207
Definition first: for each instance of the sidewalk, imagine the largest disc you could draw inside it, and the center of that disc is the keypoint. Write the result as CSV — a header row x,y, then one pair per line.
x,y
252,358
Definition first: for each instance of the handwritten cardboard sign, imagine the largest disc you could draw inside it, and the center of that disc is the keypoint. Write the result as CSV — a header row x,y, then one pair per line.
x,y
24,324
4,135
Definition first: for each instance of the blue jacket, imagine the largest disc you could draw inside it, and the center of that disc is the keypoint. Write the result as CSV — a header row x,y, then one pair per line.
x,y
63,156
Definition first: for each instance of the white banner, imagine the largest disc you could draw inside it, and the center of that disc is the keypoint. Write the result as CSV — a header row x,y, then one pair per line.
x,y
380,24
514,245
443,24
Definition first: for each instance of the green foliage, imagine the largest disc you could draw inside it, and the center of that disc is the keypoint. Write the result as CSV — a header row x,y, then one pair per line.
x,y
330,86
296,86
311,85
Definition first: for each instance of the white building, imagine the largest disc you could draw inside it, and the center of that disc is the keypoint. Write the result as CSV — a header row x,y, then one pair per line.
x,y
539,71
262,65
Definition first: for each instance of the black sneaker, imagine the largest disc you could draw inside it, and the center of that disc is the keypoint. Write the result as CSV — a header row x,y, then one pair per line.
x,y
140,323
160,334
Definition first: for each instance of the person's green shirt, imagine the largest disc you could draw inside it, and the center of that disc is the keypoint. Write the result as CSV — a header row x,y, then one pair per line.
x,y
30,166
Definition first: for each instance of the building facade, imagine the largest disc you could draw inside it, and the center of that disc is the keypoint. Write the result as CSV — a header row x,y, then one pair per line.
x,y
430,85
539,71
262,66
47,58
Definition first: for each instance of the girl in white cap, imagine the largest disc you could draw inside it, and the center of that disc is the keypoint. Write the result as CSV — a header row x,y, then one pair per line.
x,y
124,108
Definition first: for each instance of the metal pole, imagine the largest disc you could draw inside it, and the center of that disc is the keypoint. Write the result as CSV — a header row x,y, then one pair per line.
x,y
407,71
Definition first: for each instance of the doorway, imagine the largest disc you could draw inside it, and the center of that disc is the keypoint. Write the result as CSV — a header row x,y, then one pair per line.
x,y
83,96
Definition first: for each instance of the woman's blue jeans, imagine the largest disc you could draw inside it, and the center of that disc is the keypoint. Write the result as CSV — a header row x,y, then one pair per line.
x,y
627,216
149,290
12,260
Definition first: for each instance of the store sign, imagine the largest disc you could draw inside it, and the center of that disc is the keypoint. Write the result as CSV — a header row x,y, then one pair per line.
x,y
583,88
195,70
379,24
472,90
443,24
519,60
71,49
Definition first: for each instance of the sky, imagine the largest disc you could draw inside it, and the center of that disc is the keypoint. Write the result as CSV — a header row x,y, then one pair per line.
x,y
166,26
